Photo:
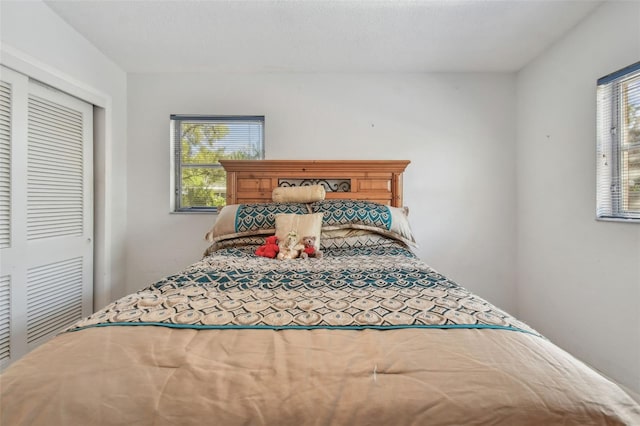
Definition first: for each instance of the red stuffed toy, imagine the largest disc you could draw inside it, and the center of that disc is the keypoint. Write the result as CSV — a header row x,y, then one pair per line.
x,y
270,248
310,248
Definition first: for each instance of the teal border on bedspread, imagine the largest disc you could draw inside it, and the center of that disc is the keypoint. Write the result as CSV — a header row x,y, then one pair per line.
x,y
309,327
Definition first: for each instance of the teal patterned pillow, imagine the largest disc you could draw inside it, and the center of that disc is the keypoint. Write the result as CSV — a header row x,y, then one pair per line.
x,y
344,212
368,215
253,217
239,220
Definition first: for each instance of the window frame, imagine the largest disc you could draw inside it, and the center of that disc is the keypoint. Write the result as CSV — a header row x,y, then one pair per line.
x,y
176,156
611,146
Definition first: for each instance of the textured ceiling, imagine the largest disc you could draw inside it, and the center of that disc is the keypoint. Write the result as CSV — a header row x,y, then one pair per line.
x,y
322,36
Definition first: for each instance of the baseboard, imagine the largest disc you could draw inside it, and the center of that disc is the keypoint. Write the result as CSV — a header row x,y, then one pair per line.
x,y
632,394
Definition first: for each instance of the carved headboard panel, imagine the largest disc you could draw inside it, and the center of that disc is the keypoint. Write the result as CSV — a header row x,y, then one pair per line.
x,y
252,181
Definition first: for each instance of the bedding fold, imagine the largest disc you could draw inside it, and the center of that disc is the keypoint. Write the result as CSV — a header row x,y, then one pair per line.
x,y
163,376
380,287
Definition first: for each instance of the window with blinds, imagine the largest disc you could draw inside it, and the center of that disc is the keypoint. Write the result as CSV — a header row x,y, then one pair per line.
x,y
198,143
618,140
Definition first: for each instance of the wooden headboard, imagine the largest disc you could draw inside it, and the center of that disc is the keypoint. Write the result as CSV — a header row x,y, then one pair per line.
x,y
252,181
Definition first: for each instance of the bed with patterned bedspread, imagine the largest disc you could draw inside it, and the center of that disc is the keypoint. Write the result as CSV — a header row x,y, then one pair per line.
x,y
366,335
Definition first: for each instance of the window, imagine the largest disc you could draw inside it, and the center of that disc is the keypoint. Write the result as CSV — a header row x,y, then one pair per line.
x,y
198,143
618,162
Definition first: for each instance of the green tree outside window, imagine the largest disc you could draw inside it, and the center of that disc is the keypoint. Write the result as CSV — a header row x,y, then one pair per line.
x,y
201,180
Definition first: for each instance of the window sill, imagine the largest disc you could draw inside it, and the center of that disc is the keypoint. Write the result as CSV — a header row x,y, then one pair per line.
x,y
618,219
189,212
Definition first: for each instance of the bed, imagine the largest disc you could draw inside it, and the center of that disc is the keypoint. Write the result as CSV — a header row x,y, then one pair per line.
x,y
366,334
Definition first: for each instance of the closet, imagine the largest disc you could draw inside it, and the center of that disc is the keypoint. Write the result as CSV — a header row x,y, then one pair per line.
x,y
46,212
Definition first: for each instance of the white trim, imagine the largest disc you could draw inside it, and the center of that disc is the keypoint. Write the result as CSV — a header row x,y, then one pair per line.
x,y
38,70
13,58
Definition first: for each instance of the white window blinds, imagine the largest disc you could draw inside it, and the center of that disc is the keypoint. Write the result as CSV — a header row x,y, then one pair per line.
x,y
198,143
618,145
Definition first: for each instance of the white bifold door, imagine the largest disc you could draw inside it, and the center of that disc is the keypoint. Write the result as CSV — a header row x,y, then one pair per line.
x,y
46,213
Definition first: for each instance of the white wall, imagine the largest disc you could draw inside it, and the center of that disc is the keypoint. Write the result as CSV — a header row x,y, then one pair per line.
x,y
36,41
458,131
578,279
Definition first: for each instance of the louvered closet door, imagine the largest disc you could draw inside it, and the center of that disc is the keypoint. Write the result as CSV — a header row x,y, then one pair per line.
x,y
5,219
46,213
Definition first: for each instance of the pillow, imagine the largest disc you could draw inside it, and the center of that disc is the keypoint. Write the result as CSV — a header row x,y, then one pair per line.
x,y
368,215
298,194
240,242
346,238
238,220
305,225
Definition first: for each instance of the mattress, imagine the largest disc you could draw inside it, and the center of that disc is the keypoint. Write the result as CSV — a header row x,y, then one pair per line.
x,y
366,335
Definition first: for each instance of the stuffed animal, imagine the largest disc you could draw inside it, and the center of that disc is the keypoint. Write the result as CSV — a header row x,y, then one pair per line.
x,y
310,248
290,248
270,248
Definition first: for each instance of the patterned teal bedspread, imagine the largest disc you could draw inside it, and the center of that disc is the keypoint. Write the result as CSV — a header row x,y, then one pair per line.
x,y
379,287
